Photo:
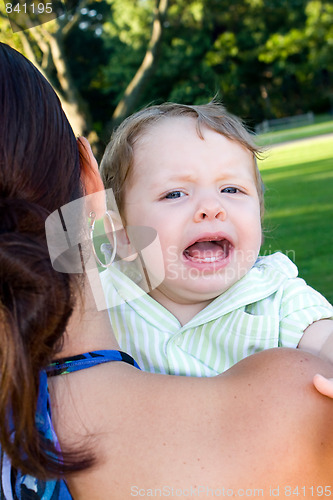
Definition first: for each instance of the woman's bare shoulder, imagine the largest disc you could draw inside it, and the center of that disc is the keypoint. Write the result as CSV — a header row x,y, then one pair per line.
x,y
260,423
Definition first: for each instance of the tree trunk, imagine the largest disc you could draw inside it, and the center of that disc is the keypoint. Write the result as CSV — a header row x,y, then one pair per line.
x,y
73,104
53,58
141,78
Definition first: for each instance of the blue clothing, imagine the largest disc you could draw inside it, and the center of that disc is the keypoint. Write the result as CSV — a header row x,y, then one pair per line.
x,y
17,486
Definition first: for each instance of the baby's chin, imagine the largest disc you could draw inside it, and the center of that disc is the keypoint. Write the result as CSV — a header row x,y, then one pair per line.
x,y
191,292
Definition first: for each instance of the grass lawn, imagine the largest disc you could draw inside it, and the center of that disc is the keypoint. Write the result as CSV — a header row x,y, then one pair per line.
x,y
321,126
299,208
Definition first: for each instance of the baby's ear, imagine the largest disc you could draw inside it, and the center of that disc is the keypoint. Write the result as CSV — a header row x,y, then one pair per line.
x,y
125,249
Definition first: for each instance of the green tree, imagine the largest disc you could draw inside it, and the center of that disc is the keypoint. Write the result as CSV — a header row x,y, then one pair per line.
x,y
44,45
72,50
107,58
299,61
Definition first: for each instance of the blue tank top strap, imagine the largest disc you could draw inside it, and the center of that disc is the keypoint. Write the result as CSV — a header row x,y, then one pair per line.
x,y
86,360
14,484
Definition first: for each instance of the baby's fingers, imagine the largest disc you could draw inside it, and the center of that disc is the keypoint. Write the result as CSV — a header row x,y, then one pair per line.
x,y
323,385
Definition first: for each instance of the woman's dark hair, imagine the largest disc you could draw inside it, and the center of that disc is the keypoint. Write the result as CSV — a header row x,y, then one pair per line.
x,y
39,173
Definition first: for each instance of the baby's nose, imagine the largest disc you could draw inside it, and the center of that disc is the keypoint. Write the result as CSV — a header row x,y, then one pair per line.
x,y
210,210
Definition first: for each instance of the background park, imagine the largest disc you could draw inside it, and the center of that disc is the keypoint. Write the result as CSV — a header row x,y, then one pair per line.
x,y
269,61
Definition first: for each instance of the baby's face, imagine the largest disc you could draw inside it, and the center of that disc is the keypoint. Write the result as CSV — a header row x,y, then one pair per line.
x,y
201,197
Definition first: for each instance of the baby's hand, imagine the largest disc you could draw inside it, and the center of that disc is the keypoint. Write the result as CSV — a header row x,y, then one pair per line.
x,y
323,385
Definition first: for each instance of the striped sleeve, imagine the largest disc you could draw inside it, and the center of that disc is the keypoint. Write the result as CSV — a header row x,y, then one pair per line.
x,y
301,306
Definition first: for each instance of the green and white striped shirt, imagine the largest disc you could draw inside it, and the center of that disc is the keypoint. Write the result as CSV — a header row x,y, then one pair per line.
x,y
269,307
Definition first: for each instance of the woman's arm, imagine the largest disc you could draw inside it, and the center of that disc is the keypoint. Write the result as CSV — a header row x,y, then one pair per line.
x,y
260,425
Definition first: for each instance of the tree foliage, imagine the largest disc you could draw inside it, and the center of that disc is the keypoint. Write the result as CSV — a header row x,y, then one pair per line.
x,y
107,58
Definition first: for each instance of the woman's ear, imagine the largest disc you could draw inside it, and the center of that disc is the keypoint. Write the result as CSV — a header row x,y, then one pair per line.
x,y
93,185
90,176
91,179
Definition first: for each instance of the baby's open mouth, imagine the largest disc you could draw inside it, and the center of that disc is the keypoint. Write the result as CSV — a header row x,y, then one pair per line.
x,y
208,251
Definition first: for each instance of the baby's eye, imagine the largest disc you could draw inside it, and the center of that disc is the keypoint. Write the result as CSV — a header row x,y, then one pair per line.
x,y
174,194
230,189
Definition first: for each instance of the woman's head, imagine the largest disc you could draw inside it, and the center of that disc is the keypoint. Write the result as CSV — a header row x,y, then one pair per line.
x,y
39,172
39,158
118,159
